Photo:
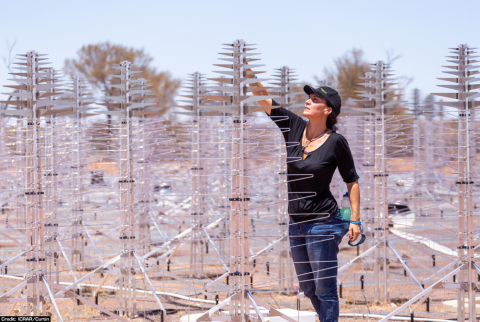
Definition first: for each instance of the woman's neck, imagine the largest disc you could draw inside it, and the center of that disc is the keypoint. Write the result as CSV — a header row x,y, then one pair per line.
x,y
315,128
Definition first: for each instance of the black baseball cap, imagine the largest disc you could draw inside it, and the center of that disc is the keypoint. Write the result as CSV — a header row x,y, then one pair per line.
x,y
328,94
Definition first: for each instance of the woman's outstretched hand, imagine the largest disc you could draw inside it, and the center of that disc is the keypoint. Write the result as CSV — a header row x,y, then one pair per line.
x,y
260,91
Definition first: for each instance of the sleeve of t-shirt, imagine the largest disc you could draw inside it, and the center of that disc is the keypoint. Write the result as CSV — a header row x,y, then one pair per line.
x,y
285,119
345,163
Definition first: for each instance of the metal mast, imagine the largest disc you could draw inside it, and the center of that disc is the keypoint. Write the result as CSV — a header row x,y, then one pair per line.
x,y
34,102
463,68
129,102
464,267
378,100
239,104
287,89
417,153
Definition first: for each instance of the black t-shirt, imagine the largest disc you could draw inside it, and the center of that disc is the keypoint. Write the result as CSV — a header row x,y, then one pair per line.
x,y
309,196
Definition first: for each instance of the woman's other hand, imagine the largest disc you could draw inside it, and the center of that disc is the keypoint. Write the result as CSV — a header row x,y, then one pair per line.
x,y
353,232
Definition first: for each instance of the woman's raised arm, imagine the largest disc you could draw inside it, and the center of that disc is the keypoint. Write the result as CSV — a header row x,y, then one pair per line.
x,y
260,91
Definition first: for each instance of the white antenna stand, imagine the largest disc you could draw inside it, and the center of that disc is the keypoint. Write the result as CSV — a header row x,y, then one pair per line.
x,y
130,103
464,267
34,105
379,92
239,105
288,91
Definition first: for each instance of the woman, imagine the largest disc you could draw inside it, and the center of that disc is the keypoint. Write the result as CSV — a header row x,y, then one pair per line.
x,y
316,227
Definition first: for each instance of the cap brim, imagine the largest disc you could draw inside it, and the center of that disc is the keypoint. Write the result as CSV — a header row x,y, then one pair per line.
x,y
310,90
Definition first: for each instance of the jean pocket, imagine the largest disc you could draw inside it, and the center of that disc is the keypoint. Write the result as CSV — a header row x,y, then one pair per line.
x,y
346,227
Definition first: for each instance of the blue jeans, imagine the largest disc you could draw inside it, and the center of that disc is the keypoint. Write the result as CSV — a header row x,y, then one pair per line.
x,y
314,252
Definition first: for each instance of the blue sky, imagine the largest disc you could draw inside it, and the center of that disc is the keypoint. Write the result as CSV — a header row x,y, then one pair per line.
x,y
185,36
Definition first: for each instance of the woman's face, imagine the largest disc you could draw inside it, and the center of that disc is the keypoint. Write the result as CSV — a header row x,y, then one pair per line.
x,y
316,108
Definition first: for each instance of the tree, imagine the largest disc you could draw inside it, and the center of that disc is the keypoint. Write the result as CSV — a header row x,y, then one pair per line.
x,y
94,64
348,68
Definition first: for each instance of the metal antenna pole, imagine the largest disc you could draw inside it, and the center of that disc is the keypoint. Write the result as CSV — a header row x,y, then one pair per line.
x,y
379,92
239,297
81,99
238,202
35,99
144,235
127,202
368,159
195,89
77,202
417,151
34,192
287,90
197,255
129,92
429,143
51,184
463,70
285,276
381,192
464,267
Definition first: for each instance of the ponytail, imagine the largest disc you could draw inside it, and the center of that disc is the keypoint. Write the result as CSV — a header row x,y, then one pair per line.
x,y
332,118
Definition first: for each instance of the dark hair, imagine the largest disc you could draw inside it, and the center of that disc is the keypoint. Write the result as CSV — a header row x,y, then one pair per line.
x,y
332,118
